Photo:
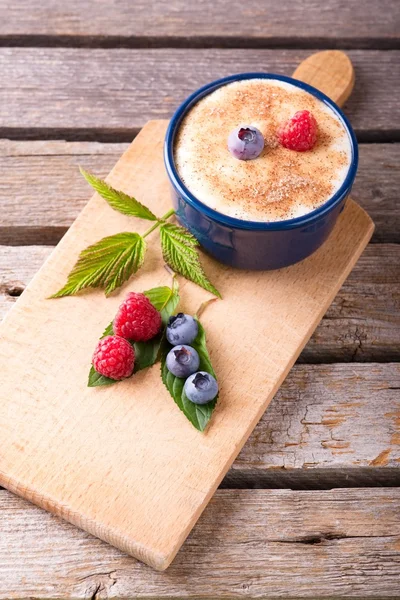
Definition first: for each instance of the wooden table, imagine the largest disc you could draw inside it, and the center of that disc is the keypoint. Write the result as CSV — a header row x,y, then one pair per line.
x,y
311,508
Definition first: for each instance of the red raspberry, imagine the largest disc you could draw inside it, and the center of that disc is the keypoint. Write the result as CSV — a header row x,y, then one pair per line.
x,y
137,319
114,357
299,133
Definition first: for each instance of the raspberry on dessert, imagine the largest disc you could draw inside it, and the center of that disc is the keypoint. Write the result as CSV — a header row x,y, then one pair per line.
x,y
137,319
114,357
299,133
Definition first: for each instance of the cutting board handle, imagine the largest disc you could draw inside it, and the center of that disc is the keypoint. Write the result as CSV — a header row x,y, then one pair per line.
x,y
330,71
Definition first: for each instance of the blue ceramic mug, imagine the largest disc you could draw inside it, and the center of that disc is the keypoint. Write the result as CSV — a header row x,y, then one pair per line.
x,y
252,244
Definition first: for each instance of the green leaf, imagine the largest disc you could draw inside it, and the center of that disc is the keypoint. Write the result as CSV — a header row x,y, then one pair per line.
x,y
120,201
181,235
165,299
198,415
179,250
95,379
106,264
146,353
108,330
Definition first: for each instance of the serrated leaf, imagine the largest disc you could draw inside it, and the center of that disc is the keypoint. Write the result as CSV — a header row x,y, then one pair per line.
x,y
106,264
198,415
118,200
180,253
164,299
181,235
108,330
96,380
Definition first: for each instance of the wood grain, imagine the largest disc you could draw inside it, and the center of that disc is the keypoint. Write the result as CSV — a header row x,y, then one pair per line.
x,y
362,323
334,72
248,544
42,192
70,92
187,478
328,425
340,23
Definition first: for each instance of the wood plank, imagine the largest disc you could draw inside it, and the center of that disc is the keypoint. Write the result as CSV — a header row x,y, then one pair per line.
x,y
341,23
365,311
42,192
187,466
113,92
328,425
247,544
362,323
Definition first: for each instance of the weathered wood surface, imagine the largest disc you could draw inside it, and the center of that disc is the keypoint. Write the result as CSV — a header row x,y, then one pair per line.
x,y
247,544
42,192
328,425
339,23
113,92
362,324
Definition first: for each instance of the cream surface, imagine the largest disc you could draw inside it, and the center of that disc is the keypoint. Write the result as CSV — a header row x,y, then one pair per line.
x,y
280,184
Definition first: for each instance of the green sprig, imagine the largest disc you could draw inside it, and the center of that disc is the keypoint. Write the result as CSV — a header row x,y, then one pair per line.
x,y
111,261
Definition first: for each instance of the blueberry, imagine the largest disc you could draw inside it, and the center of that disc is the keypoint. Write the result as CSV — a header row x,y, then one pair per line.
x,y
182,329
182,361
201,387
245,143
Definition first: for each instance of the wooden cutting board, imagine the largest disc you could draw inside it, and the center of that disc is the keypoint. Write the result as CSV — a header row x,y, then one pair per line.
x,y
123,462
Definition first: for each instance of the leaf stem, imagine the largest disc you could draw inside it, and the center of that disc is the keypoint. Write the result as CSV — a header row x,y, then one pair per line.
x,y
168,215
203,306
152,228
158,222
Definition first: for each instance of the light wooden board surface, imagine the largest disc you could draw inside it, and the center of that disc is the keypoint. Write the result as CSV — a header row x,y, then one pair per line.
x,y
273,544
69,91
334,71
188,466
362,324
346,23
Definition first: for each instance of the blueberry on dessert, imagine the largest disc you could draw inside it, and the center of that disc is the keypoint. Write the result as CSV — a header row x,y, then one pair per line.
x,y
246,142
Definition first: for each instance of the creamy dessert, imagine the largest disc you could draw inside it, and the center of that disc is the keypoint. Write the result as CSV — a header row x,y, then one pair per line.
x,y
273,182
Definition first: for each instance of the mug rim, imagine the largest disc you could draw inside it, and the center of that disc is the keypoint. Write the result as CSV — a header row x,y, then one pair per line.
x,y
233,222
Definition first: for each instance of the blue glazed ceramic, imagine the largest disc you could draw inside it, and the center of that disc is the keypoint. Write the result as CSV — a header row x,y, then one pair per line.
x,y
251,244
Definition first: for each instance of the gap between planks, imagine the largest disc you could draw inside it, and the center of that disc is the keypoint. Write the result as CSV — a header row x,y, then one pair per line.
x,y
127,135
199,42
